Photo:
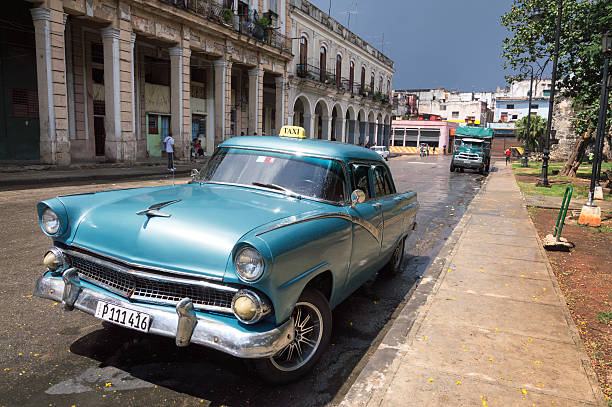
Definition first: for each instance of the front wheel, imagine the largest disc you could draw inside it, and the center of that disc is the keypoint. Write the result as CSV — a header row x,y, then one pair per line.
x,y
313,323
394,266
452,168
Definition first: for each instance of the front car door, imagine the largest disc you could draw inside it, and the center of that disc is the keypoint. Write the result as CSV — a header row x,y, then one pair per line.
x,y
367,228
392,207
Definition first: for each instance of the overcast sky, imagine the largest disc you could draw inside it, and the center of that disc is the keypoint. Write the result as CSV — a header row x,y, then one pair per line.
x,y
453,44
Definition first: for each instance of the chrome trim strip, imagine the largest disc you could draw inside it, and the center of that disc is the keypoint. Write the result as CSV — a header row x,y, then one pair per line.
x,y
72,288
142,266
369,226
209,331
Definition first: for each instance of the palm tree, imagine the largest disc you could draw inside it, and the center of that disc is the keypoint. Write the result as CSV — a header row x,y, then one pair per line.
x,y
536,132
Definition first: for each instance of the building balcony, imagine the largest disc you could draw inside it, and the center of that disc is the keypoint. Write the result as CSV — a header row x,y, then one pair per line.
x,y
244,24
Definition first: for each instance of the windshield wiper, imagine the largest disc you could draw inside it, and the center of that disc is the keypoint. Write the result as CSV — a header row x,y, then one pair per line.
x,y
276,187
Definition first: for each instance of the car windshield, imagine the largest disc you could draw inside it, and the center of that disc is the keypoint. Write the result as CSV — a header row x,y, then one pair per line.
x,y
317,178
469,144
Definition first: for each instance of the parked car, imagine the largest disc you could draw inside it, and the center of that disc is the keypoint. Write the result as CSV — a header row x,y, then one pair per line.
x,y
248,259
382,151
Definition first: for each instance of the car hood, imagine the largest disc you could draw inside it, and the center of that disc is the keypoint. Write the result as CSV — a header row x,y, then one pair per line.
x,y
198,236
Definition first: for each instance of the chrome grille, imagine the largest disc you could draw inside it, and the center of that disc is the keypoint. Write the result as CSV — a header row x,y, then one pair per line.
x,y
121,281
468,156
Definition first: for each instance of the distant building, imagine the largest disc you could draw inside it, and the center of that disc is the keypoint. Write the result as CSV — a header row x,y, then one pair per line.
x,y
409,134
456,107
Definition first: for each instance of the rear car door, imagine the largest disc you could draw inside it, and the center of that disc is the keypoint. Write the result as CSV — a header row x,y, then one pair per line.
x,y
367,228
391,206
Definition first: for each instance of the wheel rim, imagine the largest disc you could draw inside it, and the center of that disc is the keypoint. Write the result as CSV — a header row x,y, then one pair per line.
x,y
308,333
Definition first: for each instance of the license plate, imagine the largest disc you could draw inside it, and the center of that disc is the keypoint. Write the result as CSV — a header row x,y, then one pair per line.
x,y
123,316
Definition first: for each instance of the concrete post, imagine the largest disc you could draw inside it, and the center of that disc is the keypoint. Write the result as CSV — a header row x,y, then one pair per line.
x,y
379,134
255,101
49,27
223,86
280,103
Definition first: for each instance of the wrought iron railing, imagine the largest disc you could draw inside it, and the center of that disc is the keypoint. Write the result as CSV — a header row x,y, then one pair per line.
x,y
245,24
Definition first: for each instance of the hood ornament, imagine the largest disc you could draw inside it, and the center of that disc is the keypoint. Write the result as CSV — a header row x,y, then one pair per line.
x,y
153,210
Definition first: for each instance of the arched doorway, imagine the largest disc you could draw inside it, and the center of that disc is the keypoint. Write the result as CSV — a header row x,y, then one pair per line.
x,y
362,127
350,128
322,121
337,131
302,115
378,139
371,129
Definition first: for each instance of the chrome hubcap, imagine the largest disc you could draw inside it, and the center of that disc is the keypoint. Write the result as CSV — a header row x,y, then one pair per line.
x,y
308,333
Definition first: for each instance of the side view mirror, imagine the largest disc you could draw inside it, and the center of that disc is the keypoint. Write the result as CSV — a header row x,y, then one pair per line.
x,y
357,197
195,175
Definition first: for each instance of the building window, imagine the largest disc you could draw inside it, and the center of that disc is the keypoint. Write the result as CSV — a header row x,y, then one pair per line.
x,y
389,87
535,106
514,116
351,76
510,106
323,63
455,115
97,53
338,70
362,79
153,129
372,82
442,107
303,52
380,84
546,92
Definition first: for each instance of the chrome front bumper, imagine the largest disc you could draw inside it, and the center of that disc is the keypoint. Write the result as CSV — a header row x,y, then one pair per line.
x,y
184,325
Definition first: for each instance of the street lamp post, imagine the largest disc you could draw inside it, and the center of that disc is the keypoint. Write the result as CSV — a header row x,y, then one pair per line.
x,y
543,182
606,48
525,160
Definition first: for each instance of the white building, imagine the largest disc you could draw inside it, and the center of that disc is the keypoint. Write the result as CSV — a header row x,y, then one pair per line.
x,y
339,85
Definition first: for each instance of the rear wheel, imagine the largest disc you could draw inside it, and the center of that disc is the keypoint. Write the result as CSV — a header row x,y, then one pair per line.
x,y
313,323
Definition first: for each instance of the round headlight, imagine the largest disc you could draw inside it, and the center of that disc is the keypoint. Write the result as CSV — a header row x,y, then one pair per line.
x,y
249,307
249,264
50,221
54,259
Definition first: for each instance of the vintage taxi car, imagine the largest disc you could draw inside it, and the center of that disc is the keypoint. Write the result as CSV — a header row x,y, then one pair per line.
x,y
248,259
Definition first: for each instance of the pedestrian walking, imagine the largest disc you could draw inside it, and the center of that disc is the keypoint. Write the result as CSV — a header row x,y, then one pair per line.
x,y
508,154
169,141
591,156
444,149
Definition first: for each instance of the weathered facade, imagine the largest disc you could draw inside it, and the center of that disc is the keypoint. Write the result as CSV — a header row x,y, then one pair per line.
x,y
339,85
113,77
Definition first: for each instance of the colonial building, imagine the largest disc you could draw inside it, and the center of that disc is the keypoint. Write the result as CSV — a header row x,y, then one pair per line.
x,y
86,80
339,85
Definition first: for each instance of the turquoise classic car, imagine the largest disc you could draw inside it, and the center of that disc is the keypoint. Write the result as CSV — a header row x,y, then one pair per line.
x,y
249,258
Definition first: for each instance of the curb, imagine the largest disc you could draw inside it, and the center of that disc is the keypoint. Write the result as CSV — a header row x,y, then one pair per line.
x,y
378,371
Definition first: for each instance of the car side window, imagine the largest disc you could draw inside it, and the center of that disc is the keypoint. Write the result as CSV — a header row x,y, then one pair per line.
x,y
382,184
361,179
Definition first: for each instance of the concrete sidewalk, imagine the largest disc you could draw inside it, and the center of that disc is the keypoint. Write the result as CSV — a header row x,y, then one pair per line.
x,y
488,324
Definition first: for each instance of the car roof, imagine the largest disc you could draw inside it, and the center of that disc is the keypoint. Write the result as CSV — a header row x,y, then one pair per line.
x,y
332,149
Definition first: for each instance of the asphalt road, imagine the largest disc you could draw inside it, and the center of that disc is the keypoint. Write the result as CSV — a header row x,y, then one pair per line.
x,y
56,358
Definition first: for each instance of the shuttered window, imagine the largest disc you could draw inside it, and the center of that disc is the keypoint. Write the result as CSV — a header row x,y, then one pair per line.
x,y
25,103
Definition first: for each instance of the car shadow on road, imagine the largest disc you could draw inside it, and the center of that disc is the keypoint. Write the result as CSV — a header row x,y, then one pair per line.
x,y
359,323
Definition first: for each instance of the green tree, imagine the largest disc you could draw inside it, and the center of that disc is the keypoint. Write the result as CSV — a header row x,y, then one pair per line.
x,y
580,59
537,132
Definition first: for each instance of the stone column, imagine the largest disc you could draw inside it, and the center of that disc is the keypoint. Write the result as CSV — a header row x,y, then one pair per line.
x,y
280,103
49,27
255,101
112,94
177,101
327,127
309,125
371,133
223,86
379,134
362,132
339,129
351,132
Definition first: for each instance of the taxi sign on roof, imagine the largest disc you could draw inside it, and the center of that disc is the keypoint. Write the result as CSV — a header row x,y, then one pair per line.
x,y
292,132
